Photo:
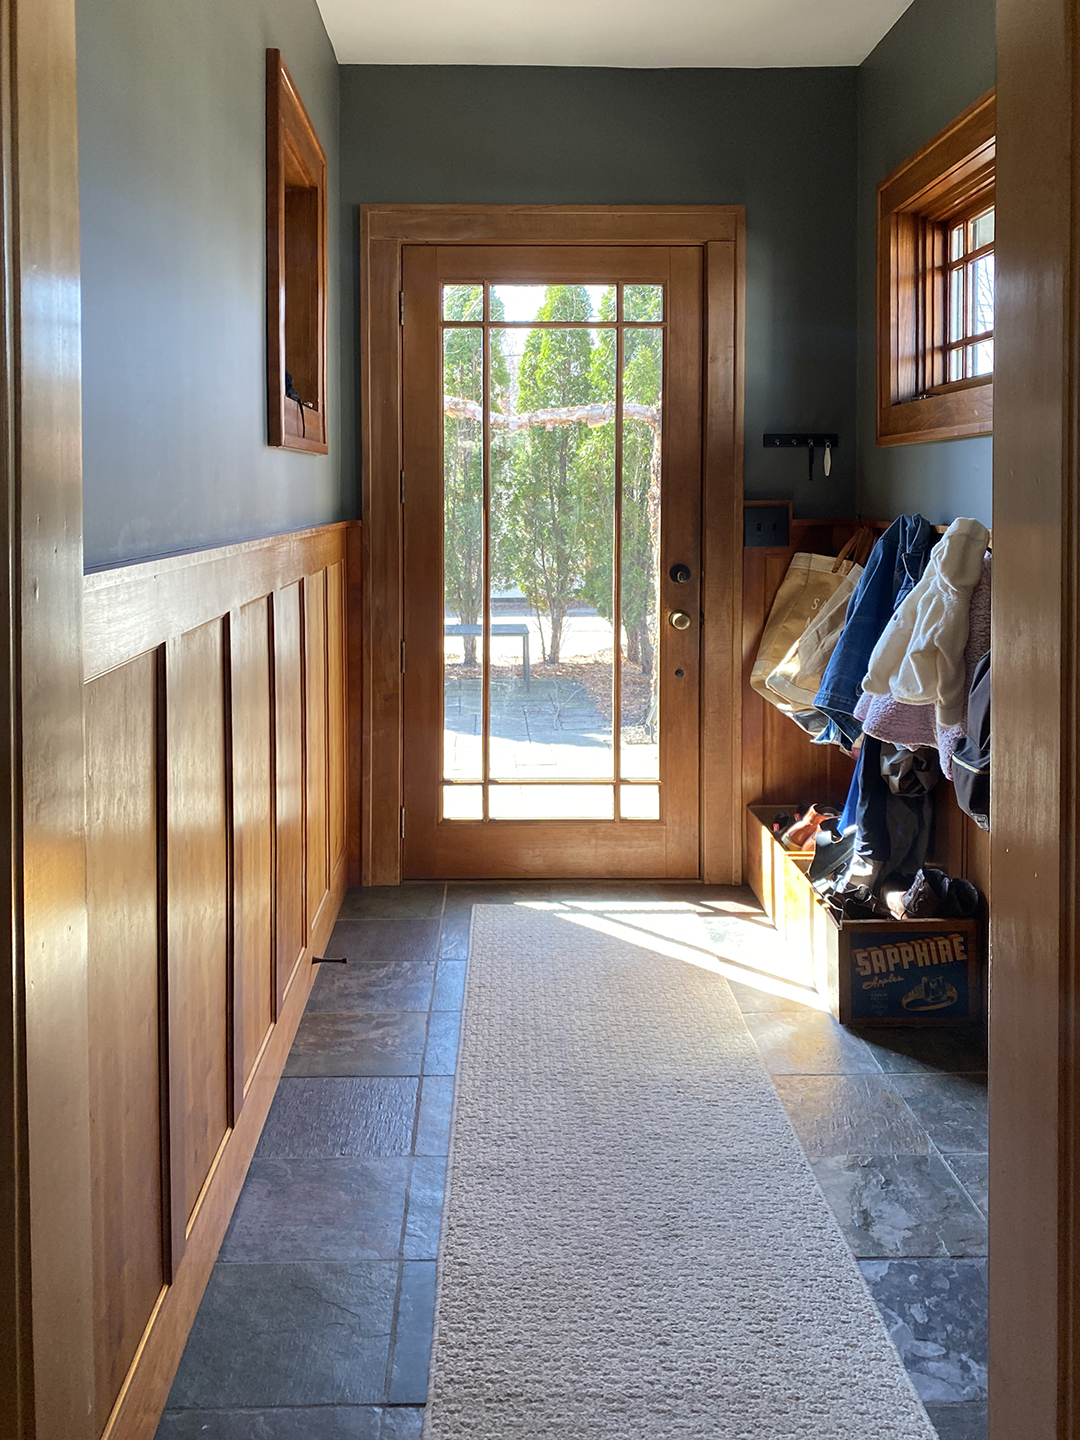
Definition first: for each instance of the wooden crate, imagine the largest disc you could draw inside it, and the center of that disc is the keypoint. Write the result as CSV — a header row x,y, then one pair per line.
x,y
872,972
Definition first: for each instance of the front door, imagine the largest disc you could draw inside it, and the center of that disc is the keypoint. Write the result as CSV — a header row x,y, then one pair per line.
x,y
552,488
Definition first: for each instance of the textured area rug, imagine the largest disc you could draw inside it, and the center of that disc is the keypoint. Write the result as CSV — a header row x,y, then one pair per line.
x,y
633,1242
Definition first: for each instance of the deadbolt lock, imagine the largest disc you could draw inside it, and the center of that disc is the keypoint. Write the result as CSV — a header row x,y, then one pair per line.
x,y
679,620
680,574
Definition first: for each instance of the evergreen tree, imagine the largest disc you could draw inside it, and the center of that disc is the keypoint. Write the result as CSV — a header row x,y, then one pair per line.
x,y
463,455
542,537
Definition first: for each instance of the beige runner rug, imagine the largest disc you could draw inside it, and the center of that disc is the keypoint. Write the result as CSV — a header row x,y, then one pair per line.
x,y
634,1245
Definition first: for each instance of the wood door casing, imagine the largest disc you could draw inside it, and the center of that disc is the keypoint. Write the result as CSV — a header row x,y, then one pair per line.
x,y
375,649
669,847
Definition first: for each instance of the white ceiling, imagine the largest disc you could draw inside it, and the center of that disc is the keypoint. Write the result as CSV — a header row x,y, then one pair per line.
x,y
607,32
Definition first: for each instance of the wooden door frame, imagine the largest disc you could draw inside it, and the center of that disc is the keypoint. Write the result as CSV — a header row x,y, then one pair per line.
x,y
1035,848
384,229
46,1275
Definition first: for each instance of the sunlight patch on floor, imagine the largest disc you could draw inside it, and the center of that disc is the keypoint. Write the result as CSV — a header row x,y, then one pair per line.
x,y
728,939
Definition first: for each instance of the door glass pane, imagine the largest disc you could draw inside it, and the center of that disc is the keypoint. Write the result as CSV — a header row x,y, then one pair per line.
x,y
463,802
525,303
643,365
551,802
643,302
463,541
639,802
463,302
552,523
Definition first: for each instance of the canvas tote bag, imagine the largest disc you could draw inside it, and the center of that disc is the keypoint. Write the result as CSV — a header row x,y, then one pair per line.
x,y
797,679
810,583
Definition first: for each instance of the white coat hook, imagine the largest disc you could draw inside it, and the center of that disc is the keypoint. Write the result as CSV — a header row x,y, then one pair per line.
x,y
827,463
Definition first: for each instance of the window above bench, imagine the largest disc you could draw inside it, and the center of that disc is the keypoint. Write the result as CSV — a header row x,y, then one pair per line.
x,y
936,286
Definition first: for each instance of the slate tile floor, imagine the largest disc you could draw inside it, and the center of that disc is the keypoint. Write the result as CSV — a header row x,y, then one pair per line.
x,y
316,1324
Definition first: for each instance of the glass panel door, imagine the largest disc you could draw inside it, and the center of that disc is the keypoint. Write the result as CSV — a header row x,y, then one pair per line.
x,y
552,680
552,445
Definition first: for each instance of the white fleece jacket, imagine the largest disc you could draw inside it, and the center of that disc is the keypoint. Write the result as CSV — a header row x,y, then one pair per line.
x,y
920,656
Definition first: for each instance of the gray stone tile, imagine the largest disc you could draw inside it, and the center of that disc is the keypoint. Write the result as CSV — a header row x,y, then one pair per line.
x,y
426,1188
752,1001
412,1334
936,1313
440,1058
318,1210
358,1045
454,938
900,1205
316,1422
449,985
383,940
402,1422
973,1172
436,1110
392,901
711,899
311,1334
953,1108
850,1115
970,1421
809,1044
329,1116
372,985
910,1051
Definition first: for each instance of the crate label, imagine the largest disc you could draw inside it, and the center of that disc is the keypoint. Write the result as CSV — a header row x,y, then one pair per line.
x,y
905,976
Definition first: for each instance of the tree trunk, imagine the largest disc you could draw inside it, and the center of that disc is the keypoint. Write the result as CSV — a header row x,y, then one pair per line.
x,y
554,644
646,652
633,646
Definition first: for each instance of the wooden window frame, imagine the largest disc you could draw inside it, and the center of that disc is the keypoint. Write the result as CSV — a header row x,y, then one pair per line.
x,y
950,179
296,266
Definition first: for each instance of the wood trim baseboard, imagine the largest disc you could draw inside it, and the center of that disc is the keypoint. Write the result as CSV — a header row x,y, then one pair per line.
x,y
134,608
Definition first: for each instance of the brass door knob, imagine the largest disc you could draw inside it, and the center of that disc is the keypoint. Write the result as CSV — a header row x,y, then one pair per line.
x,y
679,620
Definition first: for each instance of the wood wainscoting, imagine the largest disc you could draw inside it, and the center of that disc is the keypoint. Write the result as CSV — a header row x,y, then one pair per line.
x,y
216,736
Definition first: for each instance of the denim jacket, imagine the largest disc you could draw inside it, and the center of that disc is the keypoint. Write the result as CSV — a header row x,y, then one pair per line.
x,y
894,568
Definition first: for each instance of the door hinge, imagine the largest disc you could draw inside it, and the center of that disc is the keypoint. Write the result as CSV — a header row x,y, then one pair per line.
x,y
401,307
403,657
401,482
403,822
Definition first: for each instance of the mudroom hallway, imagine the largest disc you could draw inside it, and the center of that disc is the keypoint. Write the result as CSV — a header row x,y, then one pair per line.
x,y
317,1321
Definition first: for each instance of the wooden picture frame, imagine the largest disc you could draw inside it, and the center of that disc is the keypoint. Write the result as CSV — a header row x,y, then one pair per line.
x,y
296,268
948,179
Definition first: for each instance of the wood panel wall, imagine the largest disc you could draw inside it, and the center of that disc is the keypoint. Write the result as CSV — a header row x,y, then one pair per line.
x,y
780,763
216,724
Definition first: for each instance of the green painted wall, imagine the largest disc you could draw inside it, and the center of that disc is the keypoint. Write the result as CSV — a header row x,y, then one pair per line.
x,y
173,192
937,59
781,142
